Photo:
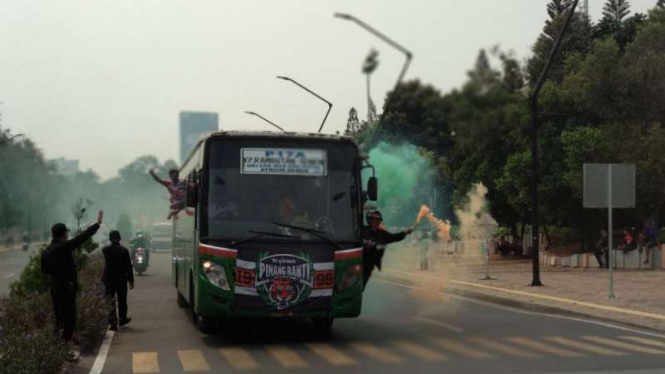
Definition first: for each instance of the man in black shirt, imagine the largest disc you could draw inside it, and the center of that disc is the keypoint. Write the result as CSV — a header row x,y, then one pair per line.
x,y
58,261
374,243
117,274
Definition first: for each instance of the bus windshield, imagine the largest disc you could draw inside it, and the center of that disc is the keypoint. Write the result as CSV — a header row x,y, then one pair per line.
x,y
249,191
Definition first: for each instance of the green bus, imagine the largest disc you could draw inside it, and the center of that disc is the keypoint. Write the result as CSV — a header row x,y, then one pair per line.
x,y
273,228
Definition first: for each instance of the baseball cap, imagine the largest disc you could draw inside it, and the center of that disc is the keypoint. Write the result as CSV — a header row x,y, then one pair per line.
x,y
58,229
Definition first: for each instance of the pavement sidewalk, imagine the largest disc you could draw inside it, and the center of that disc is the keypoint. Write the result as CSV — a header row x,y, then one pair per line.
x,y
640,294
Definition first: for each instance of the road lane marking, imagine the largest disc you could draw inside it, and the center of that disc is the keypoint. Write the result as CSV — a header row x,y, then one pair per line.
x,y
502,347
585,346
654,343
331,354
462,349
9,275
440,324
145,362
288,358
418,350
100,360
193,360
540,346
239,358
622,345
376,353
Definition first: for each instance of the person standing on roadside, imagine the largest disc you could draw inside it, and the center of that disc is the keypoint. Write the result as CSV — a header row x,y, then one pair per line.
x,y
118,274
58,261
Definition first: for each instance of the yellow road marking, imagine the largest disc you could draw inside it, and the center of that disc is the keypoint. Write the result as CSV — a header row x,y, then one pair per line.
x,y
419,351
376,353
540,296
287,357
502,347
622,345
193,360
638,339
239,358
585,346
331,354
540,346
145,362
462,349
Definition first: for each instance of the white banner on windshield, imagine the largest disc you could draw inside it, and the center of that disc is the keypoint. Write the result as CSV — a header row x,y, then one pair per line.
x,y
283,161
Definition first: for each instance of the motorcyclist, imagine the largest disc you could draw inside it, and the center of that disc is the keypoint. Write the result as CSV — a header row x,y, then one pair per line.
x,y
140,241
26,240
376,237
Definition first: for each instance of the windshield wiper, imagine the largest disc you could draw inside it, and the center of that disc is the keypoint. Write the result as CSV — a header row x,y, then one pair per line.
x,y
317,233
258,235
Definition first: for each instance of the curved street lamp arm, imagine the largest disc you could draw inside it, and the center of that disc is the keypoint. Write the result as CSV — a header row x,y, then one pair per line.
x,y
405,67
330,105
263,118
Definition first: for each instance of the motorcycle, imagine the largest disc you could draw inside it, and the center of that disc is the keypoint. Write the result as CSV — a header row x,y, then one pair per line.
x,y
25,246
140,260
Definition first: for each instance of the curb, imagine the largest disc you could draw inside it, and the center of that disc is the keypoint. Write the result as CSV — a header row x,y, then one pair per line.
x,y
533,307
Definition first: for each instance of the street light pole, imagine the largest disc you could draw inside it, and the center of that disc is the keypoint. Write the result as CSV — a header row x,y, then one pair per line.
x,y
313,93
535,234
392,43
263,118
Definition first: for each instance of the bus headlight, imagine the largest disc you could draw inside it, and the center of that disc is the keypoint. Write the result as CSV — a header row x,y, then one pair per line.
x,y
350,277
216,275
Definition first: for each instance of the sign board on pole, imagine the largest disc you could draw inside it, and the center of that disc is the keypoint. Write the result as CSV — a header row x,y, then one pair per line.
x,y
609,186
595,185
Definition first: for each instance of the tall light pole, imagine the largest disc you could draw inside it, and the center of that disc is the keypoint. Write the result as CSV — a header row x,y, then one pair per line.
x,y
369,66
263,118
313,93
393,44
533,99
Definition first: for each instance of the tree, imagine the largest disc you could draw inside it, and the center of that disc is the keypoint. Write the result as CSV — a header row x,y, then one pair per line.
x,y
661,4
616,10
556,9
483,76
124,225
352,124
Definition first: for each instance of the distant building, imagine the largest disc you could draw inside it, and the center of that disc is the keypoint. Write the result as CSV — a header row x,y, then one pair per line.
x,y
193,125
66,167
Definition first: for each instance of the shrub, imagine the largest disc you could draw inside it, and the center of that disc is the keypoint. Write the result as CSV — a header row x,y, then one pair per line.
x,y
32,279
91,304
28,342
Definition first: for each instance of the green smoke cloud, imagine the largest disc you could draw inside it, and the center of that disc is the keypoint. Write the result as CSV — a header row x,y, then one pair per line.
x,y
405,182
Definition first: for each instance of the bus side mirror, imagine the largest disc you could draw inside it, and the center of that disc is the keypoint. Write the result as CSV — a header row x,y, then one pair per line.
x,y
372,188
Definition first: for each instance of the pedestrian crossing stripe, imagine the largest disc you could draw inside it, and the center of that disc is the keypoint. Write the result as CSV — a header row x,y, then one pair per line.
x,y
145,362
331,354
397,351
537,345
622,345
655,343
502,347
287,357
239,358
457,347
193,360
583,346
419,351
376,353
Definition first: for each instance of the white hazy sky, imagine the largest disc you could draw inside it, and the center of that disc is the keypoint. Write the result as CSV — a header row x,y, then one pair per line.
x,y
103,81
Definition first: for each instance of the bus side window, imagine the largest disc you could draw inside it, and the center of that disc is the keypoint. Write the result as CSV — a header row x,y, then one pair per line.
x,y
192,195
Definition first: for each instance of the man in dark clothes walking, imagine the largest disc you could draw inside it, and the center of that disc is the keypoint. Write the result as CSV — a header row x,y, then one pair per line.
x,y
117,274
58,262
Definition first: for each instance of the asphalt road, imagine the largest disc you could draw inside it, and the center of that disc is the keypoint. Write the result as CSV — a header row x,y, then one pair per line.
x,y
12,262
401,330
